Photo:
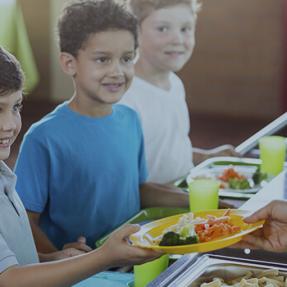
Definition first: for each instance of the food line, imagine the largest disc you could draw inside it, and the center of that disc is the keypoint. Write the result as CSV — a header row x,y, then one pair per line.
x,y
195,267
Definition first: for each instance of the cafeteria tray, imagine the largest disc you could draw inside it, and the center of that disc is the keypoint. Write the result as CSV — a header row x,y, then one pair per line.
x,y
190,271
146,215
270,129
216,163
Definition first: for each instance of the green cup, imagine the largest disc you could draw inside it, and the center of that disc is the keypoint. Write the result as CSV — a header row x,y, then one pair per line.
x,y
203,194
272,154
147,272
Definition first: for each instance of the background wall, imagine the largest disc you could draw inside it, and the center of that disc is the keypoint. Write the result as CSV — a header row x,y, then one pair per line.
x,y
37,20
61,85
236,69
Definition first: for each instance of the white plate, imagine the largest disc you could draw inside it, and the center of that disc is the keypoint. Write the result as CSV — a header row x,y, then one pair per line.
x,y
215,171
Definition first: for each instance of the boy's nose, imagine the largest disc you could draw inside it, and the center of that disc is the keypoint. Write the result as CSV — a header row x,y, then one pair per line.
x,y
116,69
177,37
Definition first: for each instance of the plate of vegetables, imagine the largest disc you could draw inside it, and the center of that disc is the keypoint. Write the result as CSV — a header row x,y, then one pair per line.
x,y
200,231
238,179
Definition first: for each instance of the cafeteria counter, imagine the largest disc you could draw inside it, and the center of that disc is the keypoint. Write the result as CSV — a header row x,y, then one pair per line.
x,y
187,268
276,189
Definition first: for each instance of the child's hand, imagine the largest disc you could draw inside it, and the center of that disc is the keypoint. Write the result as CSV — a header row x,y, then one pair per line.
x,y
80,245
223,150
200,155
121,253
69,250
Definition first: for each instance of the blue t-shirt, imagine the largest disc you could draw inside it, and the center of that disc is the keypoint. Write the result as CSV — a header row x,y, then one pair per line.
x,y
82,173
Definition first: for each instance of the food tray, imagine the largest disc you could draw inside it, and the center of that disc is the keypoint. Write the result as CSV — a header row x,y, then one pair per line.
x,y
190,271
144,237
147,215
216,165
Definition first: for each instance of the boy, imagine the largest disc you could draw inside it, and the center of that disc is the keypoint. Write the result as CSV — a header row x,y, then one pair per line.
x,y
81,169
167,31
18,257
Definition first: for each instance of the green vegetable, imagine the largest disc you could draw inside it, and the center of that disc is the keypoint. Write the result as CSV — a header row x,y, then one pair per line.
x,y
259,176
184,232
183,184
172,239
236,183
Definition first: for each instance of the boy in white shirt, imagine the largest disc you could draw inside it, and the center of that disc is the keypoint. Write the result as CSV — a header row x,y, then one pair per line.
x,y
167,39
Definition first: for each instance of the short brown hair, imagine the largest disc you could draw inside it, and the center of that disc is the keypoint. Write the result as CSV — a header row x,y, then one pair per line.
x,y
142,8
11,74
81,19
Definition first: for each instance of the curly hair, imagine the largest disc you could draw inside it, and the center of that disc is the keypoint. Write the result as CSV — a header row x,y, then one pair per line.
x,y
82,18
142,8
11,74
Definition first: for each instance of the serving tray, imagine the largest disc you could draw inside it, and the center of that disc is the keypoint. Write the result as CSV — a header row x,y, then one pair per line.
x,y
191,271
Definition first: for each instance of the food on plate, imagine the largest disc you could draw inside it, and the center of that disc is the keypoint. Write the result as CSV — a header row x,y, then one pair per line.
x,y
232,179
259,176
190,230
268,277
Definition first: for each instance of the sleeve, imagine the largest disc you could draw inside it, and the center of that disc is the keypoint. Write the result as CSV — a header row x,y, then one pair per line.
x,y
32,170
143,172
7,257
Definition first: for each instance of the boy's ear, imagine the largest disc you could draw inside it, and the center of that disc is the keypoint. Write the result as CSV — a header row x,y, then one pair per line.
x,y
68,63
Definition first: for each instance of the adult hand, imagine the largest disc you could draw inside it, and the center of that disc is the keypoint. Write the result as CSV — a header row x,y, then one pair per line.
x,y
273,235
120,252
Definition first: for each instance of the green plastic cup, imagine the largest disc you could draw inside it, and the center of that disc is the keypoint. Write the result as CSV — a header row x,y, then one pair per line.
x,y
272,154
203,194
147,272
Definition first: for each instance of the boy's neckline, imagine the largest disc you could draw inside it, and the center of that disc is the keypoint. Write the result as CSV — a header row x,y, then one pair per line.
x,y
155,86
74,109
87,118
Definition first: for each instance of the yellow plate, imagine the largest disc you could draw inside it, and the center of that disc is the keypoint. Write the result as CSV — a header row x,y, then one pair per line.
x,y
153,229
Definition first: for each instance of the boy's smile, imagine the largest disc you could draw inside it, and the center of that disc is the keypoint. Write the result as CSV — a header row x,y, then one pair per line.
x,y
103,70
10,121
167,37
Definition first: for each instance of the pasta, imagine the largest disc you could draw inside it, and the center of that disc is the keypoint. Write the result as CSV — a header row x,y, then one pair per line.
x,y
266,278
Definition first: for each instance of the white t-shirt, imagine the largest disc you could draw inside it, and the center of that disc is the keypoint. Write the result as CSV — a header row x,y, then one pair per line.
x,y
165,121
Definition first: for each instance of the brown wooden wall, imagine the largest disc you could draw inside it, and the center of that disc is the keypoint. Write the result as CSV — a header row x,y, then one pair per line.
x,y
236,67
37,20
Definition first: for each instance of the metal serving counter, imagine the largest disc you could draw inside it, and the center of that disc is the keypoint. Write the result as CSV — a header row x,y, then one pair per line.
x,y
189,268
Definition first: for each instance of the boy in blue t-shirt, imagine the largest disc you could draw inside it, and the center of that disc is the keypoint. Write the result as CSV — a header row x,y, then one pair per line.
x,y
18,257
81,169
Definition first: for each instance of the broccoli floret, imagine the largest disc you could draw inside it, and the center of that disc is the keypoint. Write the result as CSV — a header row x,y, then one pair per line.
x,y
190,240
259,176
236,183
172,239
183,184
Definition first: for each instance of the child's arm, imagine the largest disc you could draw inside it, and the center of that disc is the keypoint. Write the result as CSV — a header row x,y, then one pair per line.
x,y
154,194
200,155
115,252
46,249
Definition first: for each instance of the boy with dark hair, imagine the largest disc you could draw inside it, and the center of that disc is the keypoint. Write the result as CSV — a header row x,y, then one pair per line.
x,y
81,169
18,256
